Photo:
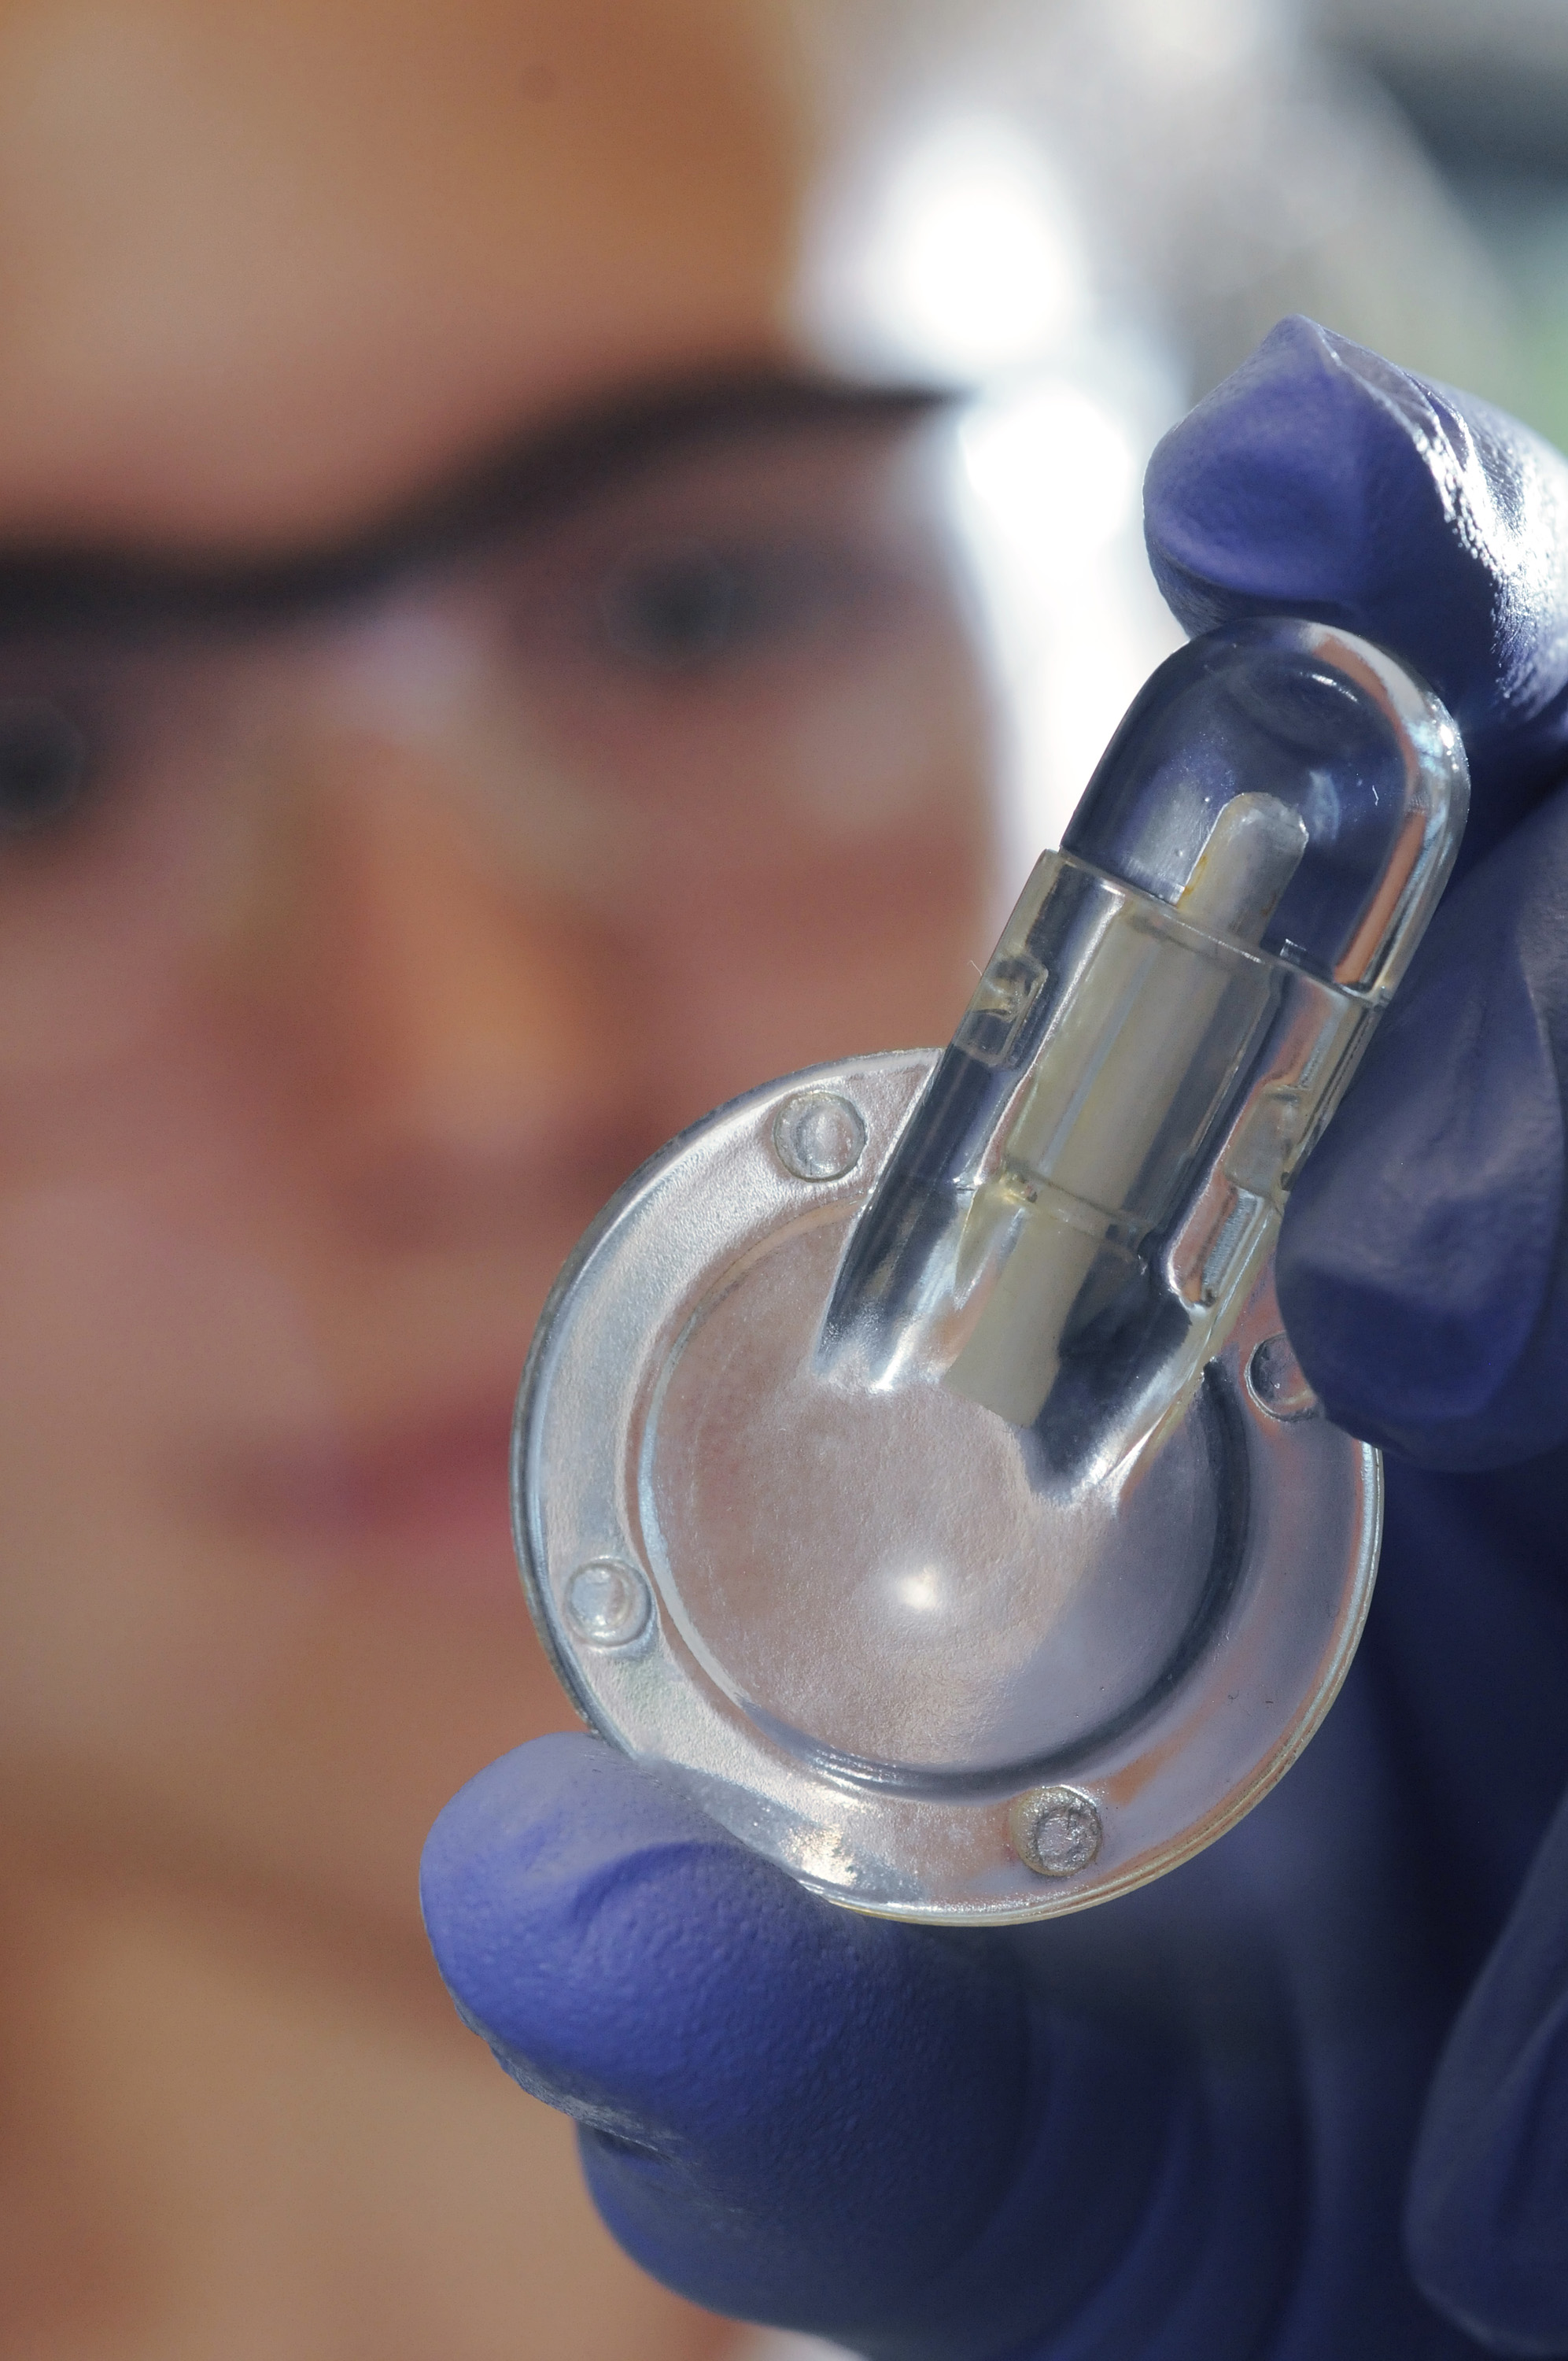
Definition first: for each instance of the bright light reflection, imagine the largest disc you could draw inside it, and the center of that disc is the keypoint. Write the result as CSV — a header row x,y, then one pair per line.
x,y
1055,473
922,1589
974,261
1048,475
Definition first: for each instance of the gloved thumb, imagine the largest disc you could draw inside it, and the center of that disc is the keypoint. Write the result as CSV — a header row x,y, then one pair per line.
x,y
789,2113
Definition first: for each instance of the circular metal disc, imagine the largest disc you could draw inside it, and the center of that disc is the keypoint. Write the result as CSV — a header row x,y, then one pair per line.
x,y
865,1627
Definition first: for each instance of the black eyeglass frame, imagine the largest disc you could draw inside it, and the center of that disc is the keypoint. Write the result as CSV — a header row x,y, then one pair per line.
x,y
529,481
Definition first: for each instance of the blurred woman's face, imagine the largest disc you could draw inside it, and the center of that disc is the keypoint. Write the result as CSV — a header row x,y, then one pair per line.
x,y
362,924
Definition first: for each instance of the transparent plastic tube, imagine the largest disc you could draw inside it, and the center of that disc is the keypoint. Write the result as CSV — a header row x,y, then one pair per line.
x,y
1082,1198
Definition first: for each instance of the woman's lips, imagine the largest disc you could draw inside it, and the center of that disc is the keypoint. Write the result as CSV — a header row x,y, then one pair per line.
x,y
427,1501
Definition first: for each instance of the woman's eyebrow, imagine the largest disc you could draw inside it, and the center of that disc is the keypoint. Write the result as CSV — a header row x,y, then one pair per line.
x,y
546,472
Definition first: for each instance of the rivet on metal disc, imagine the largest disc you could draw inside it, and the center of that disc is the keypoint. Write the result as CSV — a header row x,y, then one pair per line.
x,y
607,1604
1275,1382
1056,1831
819,1136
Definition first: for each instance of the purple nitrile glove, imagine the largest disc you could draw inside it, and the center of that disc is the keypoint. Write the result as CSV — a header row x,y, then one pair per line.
x,y
1192,2126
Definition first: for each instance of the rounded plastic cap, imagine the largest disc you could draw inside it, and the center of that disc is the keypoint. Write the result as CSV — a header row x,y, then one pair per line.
x,y
1306,721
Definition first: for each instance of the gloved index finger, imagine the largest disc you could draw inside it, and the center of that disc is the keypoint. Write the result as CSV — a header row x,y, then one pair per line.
x,y
1419,1270
1320,480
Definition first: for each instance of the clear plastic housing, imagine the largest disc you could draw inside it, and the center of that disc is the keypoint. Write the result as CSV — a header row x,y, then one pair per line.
x,y
912,1459
1086,1194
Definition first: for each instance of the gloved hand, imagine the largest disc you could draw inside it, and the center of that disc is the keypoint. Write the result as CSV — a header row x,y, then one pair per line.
x,y
1422,1268
1188,2123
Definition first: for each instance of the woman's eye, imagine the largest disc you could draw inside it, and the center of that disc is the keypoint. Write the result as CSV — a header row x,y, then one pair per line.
x,y
43,765
686,610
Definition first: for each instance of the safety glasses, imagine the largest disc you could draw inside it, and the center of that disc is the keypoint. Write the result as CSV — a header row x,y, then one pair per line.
x,y
671,653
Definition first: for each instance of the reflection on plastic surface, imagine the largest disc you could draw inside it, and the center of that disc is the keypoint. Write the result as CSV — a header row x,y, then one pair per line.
x,y
1089,1190
996,1556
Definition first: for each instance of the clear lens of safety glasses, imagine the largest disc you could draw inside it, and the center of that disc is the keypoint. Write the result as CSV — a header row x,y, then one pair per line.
x,y
911,1458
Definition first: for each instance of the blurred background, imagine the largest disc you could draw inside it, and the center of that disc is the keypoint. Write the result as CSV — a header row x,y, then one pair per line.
x,y
1483,95
334,997
1400,165
1112,203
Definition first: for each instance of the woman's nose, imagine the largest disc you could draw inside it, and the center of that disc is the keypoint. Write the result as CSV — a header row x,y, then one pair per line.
x,y
459,1037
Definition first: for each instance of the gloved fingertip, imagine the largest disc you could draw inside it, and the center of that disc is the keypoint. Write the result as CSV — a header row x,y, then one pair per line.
x,y
1258,500
661,1981
1320,480
563,1891
501,1878
755,2071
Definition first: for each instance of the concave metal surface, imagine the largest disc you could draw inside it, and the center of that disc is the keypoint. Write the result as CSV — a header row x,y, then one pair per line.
x,y
865,1627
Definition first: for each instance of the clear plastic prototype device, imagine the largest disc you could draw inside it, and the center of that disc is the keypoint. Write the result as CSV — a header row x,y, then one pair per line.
x,y
911,1459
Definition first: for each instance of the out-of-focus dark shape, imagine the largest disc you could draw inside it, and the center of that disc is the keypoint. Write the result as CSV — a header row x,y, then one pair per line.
x,y
1486,90
1480,85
